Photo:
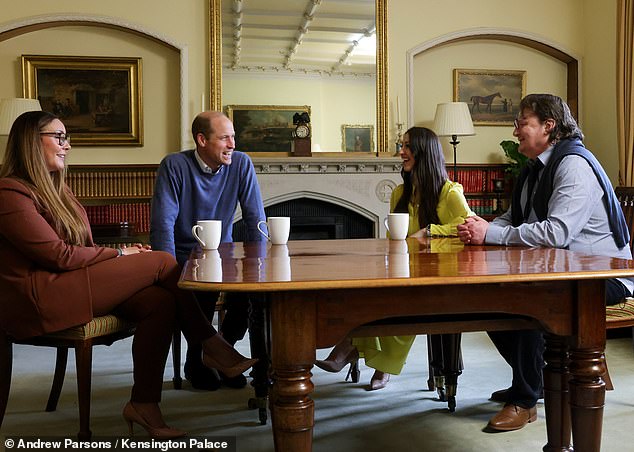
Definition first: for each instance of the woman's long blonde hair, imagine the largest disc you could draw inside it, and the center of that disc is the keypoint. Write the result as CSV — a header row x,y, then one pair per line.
x,y
24,160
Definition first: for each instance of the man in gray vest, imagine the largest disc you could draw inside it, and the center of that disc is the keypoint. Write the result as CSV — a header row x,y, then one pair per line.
x,y
562,199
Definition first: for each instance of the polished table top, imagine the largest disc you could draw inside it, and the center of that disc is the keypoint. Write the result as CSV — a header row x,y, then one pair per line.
x,y
321,291
315,264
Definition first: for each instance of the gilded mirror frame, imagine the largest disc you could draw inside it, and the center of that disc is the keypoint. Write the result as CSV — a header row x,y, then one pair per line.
x,y
215,62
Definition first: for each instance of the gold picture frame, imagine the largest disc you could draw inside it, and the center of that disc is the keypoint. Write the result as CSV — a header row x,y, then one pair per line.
x,y
493,96
98,98
357,138
264,129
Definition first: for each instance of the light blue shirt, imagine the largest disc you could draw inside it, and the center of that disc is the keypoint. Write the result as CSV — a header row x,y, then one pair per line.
x,y
577,217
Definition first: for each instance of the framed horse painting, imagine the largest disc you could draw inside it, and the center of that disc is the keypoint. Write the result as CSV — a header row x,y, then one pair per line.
x,y
493,96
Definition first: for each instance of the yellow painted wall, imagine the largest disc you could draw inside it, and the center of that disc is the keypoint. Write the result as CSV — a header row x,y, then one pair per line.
x,y
184,23
160,85
599,84
584,28
434,68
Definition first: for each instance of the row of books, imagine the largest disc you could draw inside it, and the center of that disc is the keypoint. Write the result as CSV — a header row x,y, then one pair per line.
x,y
101,184
137,214
486,206
481,180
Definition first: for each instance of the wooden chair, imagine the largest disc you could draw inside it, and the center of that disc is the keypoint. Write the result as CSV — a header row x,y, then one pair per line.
x,y
102,330
622,314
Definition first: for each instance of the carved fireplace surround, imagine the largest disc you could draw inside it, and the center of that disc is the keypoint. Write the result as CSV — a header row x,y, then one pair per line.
x,y
362,185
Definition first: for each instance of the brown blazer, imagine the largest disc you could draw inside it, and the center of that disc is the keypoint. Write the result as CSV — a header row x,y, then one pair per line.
x,y
44,284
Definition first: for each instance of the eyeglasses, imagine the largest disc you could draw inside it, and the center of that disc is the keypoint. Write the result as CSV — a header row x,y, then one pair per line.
x,y
516,123
61,137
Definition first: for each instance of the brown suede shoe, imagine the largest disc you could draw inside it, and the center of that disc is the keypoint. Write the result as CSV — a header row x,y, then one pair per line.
x,y
512,417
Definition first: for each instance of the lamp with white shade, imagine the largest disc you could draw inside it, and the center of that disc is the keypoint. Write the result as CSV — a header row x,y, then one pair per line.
x,y
10,109
453,119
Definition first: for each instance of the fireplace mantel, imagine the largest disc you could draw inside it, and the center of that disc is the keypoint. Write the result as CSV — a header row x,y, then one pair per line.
x,y
361,184
326,165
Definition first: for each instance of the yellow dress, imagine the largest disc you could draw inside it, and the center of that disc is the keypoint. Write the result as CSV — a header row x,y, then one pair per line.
x,y
388,353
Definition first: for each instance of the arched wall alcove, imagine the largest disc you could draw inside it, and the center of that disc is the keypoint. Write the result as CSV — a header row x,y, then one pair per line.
x,y
549,68
28,25
525,39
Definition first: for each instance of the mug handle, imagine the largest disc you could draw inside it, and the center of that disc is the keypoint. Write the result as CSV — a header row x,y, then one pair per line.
x,y
387,228
261,231
195,229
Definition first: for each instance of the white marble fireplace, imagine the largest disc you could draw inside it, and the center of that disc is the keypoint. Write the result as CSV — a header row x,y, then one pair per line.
x,y
362,185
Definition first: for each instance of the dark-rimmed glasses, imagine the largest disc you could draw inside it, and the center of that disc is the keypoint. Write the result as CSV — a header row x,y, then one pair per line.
x,y
61,137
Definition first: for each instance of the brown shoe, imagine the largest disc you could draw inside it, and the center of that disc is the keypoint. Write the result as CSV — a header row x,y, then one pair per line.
x,y
512,417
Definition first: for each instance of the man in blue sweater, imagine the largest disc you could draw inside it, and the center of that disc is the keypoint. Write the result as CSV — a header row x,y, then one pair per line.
x,y
207,184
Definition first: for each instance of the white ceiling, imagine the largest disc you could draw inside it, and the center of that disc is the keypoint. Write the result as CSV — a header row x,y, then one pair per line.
x,y
298,36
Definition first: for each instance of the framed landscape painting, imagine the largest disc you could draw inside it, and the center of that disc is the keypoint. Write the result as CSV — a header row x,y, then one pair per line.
x,y
97,98
264,128
493,96
357,138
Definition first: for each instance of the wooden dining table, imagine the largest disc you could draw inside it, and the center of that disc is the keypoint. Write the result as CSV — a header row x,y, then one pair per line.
x,y
320,291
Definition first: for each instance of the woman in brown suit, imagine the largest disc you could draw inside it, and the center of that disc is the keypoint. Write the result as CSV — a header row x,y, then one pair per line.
x,y
53,277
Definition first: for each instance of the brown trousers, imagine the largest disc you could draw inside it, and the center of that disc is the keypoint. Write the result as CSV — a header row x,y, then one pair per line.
x,y
142,288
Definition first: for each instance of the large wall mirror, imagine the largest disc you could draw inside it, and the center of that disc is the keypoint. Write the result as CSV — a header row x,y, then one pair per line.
x,y
280,53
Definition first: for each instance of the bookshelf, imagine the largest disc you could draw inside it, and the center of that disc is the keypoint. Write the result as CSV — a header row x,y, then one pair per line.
x,y
117,200
486,198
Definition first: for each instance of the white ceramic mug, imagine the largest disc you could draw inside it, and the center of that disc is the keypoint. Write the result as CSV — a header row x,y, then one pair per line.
x,y
207,233
397,225
279,228
209,268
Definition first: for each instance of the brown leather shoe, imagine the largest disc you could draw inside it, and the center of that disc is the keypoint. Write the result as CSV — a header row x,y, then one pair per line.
x,y
512,417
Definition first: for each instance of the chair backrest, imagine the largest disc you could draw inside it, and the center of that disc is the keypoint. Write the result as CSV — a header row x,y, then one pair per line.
x,y
625,195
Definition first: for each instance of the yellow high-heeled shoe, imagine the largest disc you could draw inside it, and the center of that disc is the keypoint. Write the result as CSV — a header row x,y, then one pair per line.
x,y
131,415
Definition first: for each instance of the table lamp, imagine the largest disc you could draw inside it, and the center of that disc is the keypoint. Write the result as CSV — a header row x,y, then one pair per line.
x,y
10,109
453,119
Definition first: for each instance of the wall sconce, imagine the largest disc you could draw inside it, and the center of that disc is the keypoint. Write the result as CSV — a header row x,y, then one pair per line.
x,y
453,119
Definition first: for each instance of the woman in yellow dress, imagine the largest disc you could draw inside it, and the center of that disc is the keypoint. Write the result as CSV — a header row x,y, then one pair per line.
x,y
436,206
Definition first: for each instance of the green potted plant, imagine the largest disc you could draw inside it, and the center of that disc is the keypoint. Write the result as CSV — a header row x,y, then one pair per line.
x,y
515,158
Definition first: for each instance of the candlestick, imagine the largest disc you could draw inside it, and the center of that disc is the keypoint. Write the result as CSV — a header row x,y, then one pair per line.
x,y
399,140
398,110
202,101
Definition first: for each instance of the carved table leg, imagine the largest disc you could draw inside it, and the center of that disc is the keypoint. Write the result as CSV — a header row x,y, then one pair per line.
x,y
556,395
293,354
587,398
